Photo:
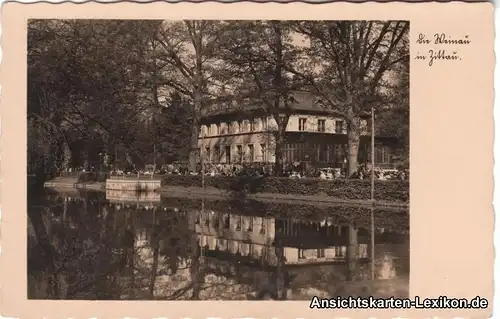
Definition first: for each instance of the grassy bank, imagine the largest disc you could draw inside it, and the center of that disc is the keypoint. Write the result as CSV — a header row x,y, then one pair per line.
x,y
84,177
396,192
214,193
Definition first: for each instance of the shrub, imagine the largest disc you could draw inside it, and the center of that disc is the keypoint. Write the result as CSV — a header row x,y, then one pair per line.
x,y
353,189
85,177
68,174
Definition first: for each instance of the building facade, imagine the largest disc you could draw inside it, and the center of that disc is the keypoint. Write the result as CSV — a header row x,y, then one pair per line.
x,y
314,135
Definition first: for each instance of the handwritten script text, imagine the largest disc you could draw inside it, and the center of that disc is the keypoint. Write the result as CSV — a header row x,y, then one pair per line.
x,y
443,47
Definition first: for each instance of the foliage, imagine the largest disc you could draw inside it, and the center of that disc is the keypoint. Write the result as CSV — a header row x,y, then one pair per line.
x,y
183,54
350,64
255,55
88,93
174,129
81,80
86,177
347,189
395,120
109,93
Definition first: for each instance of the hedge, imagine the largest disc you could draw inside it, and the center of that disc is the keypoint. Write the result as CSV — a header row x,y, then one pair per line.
x,y
85,177
353,189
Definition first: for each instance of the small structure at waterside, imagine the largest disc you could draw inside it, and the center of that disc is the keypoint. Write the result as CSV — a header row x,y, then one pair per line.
x,y
132,184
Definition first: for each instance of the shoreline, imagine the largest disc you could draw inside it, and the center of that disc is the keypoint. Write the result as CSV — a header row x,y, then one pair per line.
x,y
89,186
210,192
173,191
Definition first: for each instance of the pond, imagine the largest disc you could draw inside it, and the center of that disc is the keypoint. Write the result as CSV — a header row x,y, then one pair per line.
x,y
140,246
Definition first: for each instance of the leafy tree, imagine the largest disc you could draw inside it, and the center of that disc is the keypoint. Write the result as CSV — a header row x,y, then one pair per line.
x,y
394,120
175,129
182,55
87,88
139,88
348,64
257,53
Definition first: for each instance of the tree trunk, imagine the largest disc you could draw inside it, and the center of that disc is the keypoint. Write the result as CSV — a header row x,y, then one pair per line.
x,y
49,251
156,251
280,276
65,210
278,154
193,151
352,252
111,151
129,160
132,266
198,96
197,271
278,86
353,138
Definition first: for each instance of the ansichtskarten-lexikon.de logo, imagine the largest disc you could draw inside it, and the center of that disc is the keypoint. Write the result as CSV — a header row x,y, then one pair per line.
x,y
442,302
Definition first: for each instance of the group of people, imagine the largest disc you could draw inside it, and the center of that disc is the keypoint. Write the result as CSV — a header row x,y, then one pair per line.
x,y
294,170
222,169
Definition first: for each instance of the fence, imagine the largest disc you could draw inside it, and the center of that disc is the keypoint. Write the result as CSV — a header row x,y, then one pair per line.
x,y
137,176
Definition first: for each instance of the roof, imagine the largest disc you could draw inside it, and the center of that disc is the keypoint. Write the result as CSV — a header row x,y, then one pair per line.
x,y
304,102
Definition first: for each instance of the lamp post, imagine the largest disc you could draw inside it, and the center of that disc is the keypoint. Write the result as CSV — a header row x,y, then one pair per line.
x,y
154,161
373,156
202,160
372,217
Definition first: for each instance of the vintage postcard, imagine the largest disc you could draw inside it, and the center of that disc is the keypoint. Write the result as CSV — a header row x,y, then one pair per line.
x,y
305,160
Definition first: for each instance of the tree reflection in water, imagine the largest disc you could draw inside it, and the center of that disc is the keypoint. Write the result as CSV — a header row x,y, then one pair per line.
x,y
82,246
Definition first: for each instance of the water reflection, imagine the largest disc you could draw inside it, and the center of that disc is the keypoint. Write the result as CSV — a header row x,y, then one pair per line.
x,y
108,246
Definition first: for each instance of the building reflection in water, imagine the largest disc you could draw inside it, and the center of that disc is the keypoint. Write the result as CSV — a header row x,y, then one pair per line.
x,y
143,248
257,237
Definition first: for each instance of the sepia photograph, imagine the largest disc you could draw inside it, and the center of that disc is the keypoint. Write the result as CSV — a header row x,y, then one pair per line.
x,y
155,154
217,159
